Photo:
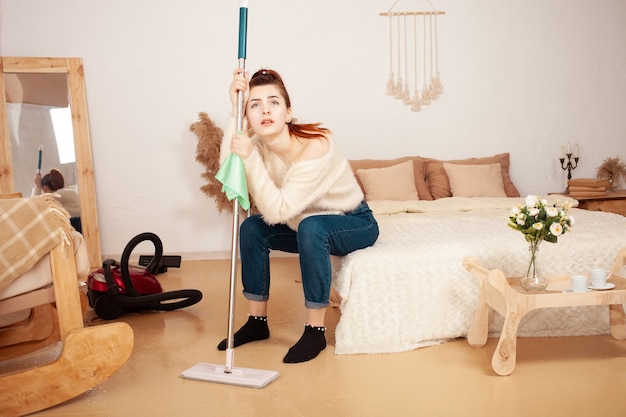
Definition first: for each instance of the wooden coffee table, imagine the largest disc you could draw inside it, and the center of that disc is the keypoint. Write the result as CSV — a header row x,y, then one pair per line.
x,y
507,297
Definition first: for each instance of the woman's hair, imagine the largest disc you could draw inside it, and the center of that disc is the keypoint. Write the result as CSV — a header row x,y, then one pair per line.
x,y
301,130
54,180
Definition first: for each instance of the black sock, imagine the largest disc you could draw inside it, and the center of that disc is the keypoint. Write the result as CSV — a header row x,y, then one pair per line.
x,y
308,347
255,329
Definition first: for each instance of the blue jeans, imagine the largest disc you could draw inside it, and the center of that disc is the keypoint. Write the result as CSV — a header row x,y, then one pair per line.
x,y
317,238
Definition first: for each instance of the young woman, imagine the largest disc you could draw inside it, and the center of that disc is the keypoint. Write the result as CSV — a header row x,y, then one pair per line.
x,y
309,203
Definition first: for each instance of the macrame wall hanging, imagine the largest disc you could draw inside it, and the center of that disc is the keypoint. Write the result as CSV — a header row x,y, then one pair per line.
x,y
418,30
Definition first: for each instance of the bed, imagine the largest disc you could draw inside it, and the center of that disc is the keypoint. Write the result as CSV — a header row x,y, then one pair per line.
x,y
410,289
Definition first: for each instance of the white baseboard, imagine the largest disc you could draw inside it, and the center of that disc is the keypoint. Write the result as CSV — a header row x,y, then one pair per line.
x,y
196,256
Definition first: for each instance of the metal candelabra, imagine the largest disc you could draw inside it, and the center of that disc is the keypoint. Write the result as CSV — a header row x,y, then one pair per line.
x,y
569,166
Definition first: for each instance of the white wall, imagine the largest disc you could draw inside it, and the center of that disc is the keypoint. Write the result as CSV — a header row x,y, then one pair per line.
x,y
520,76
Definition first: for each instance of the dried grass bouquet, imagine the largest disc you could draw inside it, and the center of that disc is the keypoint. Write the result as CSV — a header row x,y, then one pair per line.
x,y
614,170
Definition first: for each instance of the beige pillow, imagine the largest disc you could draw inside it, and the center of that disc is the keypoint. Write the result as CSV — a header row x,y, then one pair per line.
x,y
419,168
396,182
439,185
475,180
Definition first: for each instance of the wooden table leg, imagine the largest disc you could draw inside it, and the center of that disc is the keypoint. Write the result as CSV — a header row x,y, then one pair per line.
x,y
479,328
503,360
617,321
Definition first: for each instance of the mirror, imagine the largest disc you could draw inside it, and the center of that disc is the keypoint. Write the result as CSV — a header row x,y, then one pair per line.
x,y
47,83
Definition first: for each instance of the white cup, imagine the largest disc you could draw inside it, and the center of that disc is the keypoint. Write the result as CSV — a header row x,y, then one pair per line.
x,y
599,277
579,283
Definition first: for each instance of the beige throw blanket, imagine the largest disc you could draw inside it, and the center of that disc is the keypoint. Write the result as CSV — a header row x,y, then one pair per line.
x,y
29,229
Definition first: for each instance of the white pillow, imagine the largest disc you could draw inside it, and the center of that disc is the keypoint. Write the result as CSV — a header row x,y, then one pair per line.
x,y
396,182
475,180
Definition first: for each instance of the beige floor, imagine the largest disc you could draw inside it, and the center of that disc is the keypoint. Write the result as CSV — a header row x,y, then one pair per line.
x,y
576,376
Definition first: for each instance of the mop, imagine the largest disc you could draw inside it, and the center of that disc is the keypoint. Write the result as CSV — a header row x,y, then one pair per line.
x,y
232,175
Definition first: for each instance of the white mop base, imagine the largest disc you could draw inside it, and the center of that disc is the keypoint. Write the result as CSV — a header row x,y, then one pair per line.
x,y
246,377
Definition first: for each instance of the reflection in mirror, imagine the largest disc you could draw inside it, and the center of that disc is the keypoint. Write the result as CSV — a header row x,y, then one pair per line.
x,y
45,108
39,116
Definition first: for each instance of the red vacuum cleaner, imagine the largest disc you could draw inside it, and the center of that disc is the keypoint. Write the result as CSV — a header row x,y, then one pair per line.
x,y
118,288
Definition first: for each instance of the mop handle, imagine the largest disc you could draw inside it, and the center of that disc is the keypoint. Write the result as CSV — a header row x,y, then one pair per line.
x,y
241,55
39,157
233,284
234,247
243,27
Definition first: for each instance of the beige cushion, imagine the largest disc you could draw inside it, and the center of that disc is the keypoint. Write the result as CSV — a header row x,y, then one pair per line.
x,y
439,185
396,182
418,168
475,180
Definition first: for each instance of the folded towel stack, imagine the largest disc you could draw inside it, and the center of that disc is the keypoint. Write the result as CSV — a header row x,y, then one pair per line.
x,y
588,187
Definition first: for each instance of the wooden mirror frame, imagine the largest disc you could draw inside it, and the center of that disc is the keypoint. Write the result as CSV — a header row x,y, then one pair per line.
x,y
73,67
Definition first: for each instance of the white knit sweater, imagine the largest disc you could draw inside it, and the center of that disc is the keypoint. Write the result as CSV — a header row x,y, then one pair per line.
x,y
288,194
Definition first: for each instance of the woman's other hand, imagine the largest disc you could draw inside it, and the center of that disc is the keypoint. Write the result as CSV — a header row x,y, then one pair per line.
x,y
239,83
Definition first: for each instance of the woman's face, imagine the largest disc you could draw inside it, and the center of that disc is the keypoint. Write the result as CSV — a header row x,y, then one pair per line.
x,y
266,110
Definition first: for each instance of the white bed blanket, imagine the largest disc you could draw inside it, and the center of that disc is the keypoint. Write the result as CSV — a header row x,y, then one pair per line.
x,y
410,289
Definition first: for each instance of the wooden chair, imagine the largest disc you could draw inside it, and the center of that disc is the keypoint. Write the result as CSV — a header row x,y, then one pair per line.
x,y
89,355
30,333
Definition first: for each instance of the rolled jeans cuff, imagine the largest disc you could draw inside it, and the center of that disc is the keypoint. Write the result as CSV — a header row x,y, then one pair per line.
x,y
255,297
315,306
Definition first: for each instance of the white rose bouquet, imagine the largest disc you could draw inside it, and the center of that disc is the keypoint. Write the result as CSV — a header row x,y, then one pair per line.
x,y
539,221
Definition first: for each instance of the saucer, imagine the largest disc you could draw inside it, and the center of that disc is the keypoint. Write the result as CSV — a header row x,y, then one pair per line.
x,y
569,290
607,286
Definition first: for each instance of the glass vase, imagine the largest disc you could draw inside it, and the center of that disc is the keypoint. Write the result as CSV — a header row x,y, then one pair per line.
x,y
533,279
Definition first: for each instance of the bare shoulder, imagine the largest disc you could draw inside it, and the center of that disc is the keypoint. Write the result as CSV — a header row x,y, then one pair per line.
x,y
314,148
